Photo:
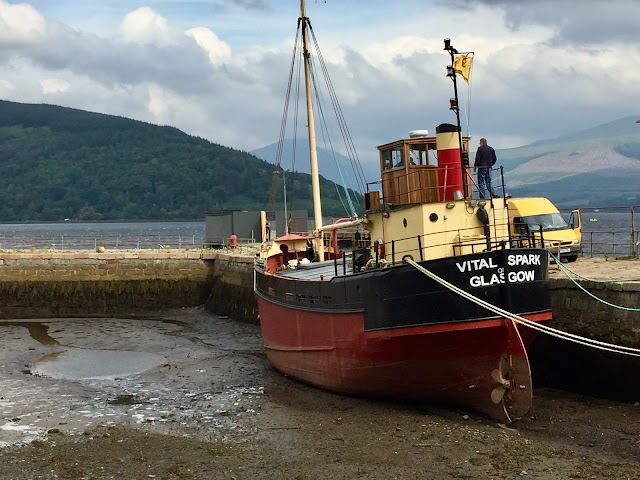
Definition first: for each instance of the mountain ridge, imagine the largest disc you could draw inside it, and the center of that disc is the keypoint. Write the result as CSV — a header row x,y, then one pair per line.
x,y
602,162
610,150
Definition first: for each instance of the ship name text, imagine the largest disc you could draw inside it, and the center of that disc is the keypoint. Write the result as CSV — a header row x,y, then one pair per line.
x,y
499,276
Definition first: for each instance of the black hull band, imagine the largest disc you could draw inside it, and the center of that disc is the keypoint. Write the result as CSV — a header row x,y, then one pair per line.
x,y
515,280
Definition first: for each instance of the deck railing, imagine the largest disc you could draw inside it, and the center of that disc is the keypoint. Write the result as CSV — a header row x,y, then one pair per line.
x,y
458,242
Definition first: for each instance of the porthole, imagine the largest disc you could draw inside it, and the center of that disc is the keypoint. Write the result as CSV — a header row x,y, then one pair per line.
x,y
433,217
404,222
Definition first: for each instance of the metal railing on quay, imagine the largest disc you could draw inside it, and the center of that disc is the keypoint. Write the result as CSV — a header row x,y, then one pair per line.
x,y
601,243
609,231
75,242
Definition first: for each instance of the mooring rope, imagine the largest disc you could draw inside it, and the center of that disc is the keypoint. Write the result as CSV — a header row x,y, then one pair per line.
x,y
562,269
529,323
566,269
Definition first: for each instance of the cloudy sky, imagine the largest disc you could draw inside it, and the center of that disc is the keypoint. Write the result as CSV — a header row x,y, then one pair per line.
x,y
218,69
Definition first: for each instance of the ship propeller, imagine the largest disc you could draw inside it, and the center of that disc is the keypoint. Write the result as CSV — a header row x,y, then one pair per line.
x,y
498,392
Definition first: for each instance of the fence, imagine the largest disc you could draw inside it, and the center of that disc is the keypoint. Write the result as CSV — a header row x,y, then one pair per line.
x,y
610,231
81,242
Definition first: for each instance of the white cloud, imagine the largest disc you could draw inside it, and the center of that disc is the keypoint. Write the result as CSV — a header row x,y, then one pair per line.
x,y
20,23
54,85
158,103
6,87
217,51
144,26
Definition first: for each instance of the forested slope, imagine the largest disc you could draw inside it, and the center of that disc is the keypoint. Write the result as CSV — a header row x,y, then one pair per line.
x,y
58,163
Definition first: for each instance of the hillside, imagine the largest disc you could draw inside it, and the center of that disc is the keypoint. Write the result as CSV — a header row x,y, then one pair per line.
x,y
59,163
598,167
332,165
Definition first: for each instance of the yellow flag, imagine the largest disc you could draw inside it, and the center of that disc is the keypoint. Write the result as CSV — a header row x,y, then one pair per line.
x,y
462,65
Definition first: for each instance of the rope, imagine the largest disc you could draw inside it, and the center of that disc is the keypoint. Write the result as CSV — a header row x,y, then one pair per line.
x,y
566,269
529,323
562,269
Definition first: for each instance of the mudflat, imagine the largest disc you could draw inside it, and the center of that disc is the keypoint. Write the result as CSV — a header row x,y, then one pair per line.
x,y
190,395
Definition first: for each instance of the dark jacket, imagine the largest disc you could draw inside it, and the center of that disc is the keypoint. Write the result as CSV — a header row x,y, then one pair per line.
x,y
485,156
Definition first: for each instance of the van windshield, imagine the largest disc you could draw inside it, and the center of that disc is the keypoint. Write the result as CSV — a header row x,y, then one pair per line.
x,y
548,222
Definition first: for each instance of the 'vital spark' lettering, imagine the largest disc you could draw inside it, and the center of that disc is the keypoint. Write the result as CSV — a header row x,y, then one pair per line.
x,y
524,259
477,264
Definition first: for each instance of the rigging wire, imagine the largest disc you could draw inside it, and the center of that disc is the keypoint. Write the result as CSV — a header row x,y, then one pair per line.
x,y
358,172
283,123
327,138
349,145
295,136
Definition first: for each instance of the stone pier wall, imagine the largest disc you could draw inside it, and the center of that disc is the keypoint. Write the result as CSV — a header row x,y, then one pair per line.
x,y
44,284
56,283
232,289
579,312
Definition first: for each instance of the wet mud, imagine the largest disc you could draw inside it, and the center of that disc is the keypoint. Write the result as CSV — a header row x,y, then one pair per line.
x,y
194,397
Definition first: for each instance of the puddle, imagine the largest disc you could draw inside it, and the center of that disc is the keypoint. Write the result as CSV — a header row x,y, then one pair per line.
x,y
38,331
80,364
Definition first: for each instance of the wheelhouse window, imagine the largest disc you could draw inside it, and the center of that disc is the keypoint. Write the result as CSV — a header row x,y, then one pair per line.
x,y
397,157
386,159
418,155
392,157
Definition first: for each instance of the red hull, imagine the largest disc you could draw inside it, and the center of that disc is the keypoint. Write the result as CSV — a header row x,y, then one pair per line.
x,y
444,363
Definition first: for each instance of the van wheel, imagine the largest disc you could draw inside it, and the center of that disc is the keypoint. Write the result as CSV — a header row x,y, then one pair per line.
x,y
571,258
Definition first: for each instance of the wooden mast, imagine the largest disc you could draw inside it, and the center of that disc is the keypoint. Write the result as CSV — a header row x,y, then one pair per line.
x,y
313,155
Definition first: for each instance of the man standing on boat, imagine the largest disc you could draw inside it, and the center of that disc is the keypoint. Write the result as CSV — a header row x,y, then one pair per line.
x,y
485,159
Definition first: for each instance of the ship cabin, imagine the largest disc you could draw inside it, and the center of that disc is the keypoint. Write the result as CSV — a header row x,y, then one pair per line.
x,y
426,209
288,250
419,169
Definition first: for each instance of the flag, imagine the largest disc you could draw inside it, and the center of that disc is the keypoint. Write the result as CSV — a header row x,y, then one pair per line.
x,y
462,65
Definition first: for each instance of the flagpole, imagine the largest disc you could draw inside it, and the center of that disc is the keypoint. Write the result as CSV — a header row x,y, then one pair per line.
x,y
464,156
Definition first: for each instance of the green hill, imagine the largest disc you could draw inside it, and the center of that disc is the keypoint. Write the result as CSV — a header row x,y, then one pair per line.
x,y
58,163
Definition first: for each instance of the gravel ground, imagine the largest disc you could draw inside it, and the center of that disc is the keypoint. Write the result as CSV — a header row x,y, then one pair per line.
x,y
190,395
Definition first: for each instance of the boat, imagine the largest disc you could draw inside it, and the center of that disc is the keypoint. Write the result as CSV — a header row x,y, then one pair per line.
x,y
395,318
